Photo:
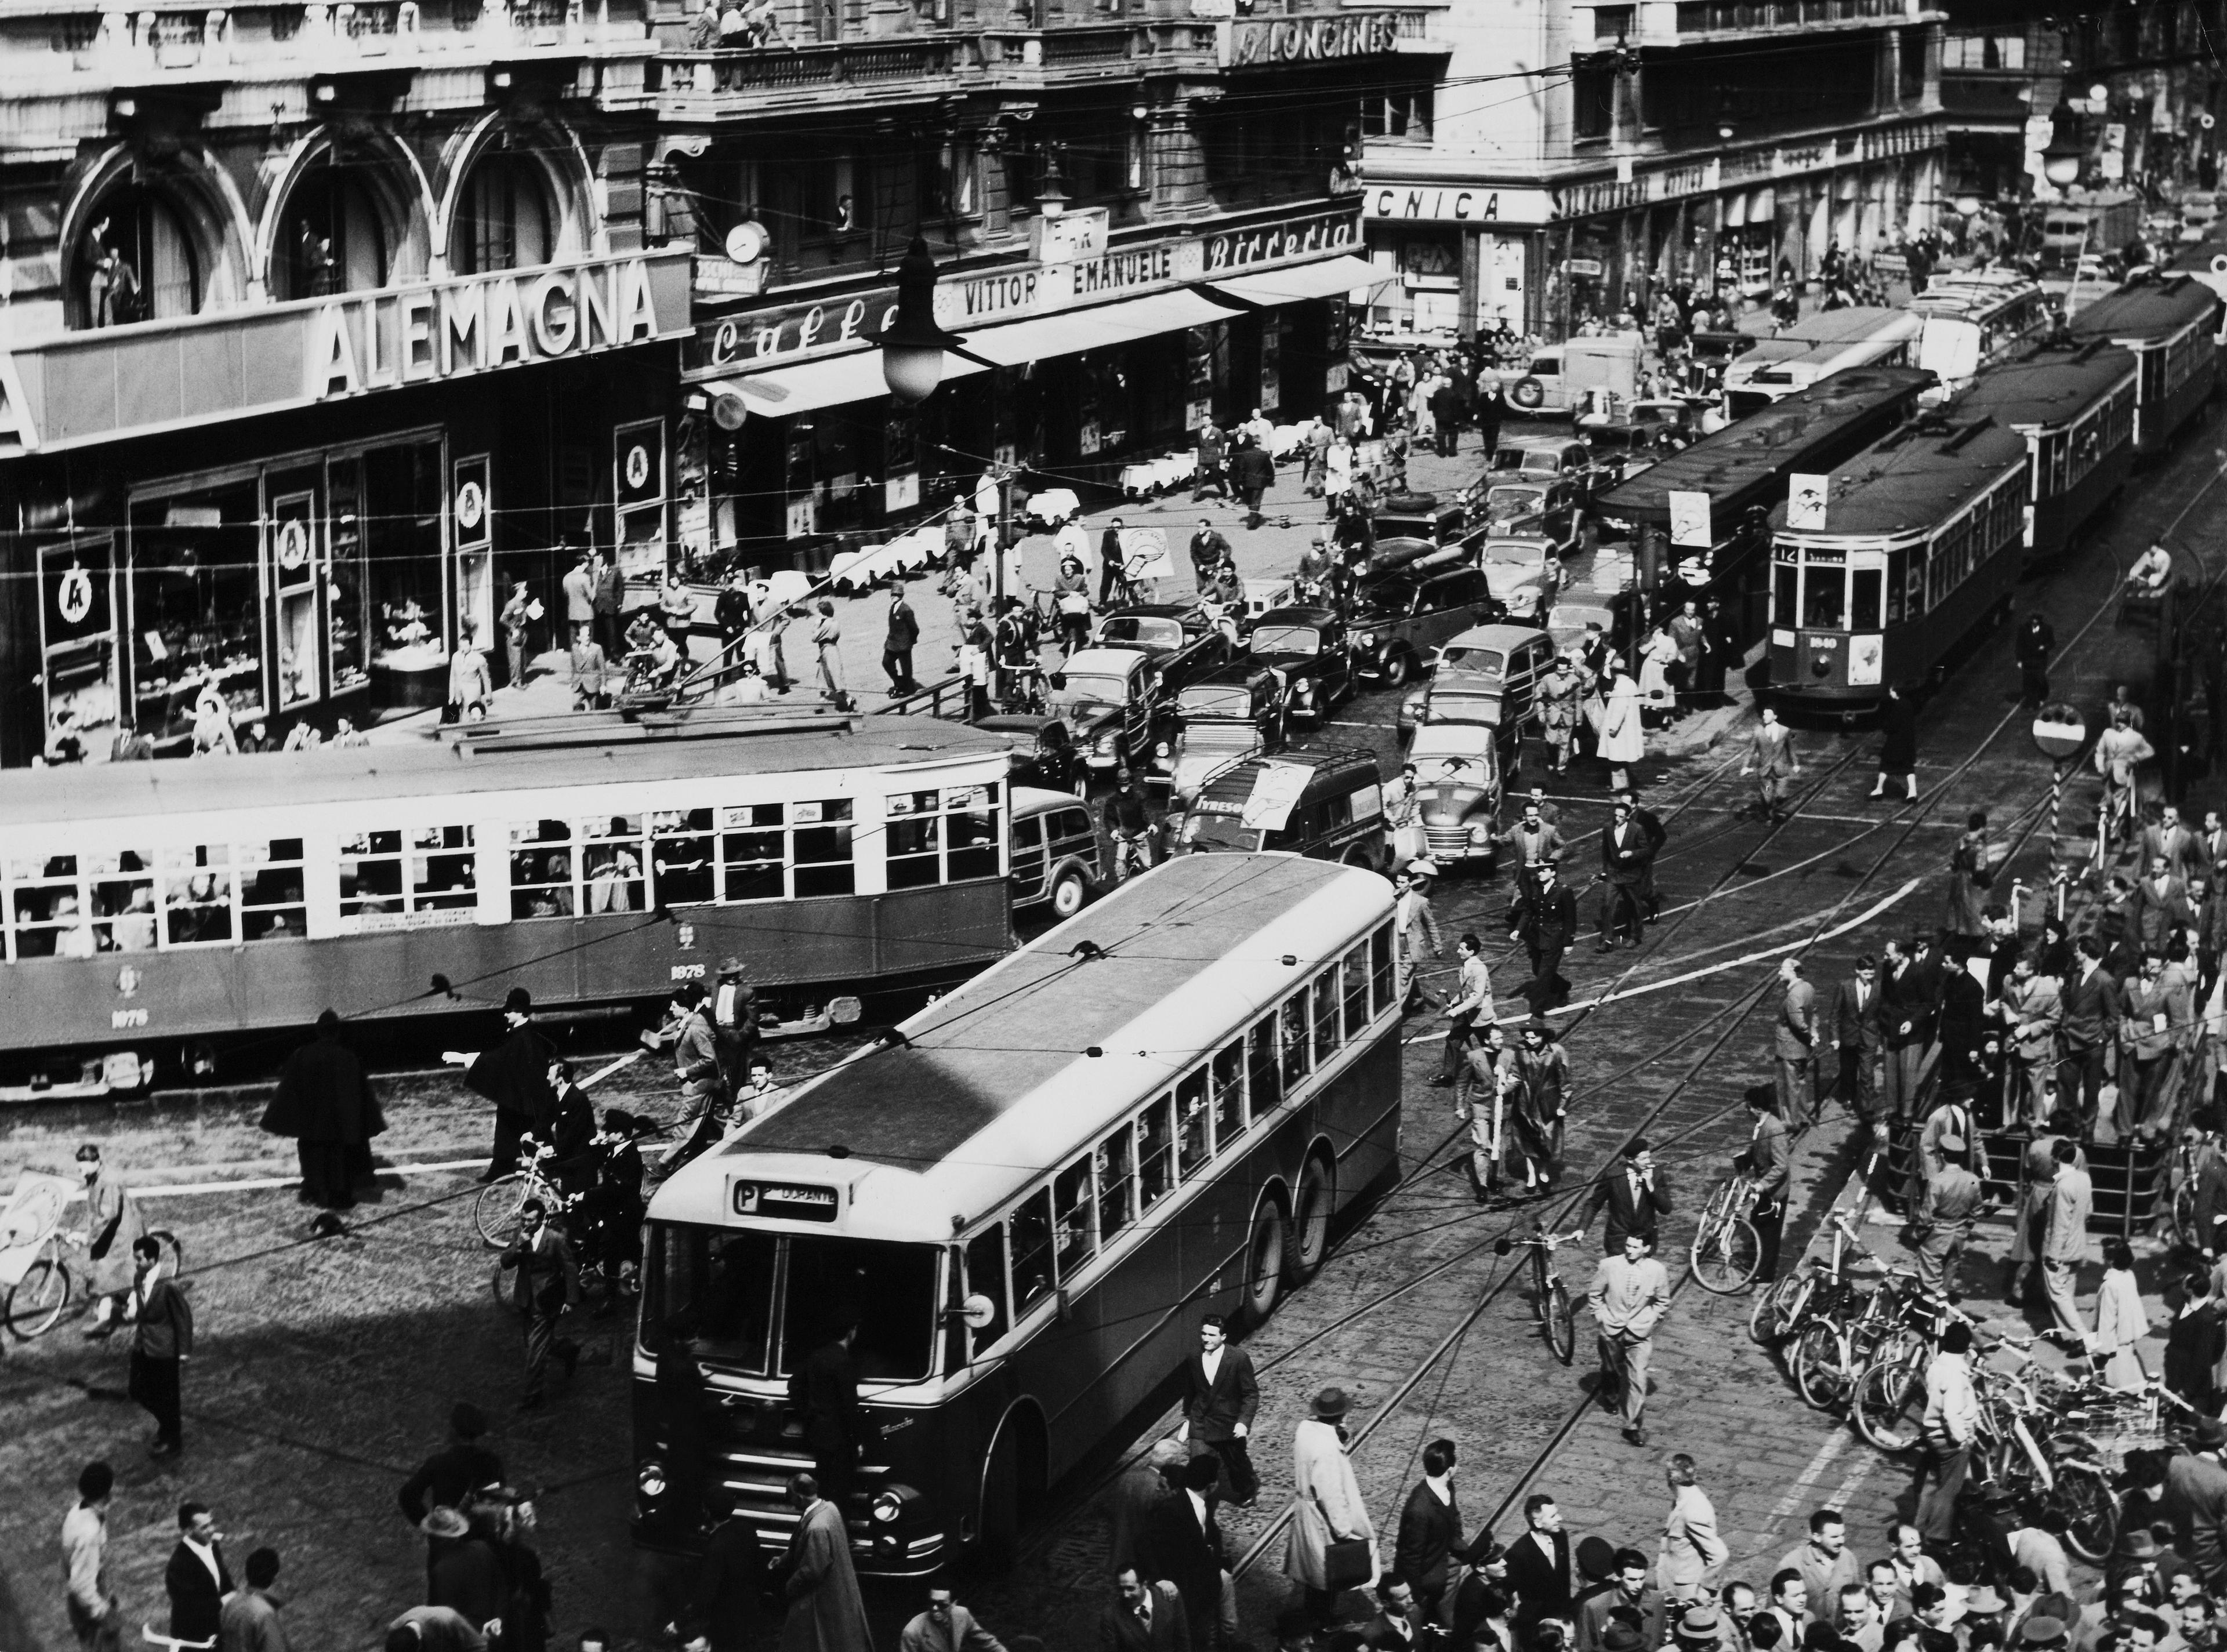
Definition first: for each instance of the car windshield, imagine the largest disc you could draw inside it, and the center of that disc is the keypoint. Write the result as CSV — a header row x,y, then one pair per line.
x,y
1216,699
1220,832
1507,459
1084,691
1286,639
725,1280
1484,663
1515,553
1149,630
1506,504
1386,600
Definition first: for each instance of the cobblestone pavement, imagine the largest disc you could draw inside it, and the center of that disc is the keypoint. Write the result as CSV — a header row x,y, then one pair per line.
x,y
326,1370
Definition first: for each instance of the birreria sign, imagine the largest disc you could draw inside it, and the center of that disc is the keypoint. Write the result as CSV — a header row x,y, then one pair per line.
x,y
452,330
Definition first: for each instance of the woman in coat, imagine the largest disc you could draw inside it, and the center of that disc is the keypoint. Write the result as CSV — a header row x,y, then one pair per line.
x,y
1622,740
1969,876
2120,1320
1655,658
115,1226
1328,1507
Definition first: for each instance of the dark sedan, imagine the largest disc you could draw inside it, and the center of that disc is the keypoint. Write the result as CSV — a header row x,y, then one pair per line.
x,y
1400,620
1307,647
1183,641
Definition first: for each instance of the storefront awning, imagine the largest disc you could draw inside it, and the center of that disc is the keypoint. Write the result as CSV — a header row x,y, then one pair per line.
x,y
1093,329
1327,280
810,385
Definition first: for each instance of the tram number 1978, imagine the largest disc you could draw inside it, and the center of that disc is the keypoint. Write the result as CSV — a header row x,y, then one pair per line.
x,y
688,972
118,1019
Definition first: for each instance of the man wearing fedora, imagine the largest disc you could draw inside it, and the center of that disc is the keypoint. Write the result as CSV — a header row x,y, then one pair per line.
x,y
1629,1295
514,1075
1328,1506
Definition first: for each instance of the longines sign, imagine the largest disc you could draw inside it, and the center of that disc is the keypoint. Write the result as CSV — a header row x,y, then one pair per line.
x,y
1259,41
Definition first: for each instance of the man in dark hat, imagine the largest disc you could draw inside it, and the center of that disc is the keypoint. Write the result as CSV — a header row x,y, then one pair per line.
x,y
734,1023
514,1075
324,1102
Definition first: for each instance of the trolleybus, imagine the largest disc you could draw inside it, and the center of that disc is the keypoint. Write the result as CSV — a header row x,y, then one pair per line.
x,y
1025,1197
1974,317
2075,406
146,907
1816,347
2172,326
1920,546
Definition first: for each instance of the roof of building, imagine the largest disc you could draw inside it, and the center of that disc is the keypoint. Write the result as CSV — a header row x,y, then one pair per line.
x,y
1919,476
2053,385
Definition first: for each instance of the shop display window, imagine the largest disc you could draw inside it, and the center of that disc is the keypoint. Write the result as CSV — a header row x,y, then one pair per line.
x,y
196,606
347,630
402,518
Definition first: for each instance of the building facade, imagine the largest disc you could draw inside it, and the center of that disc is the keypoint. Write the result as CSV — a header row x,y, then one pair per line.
x,y
1580,156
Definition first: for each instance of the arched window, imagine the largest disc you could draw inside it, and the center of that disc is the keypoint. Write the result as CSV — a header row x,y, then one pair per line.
x,y
330,239
135,262
505,218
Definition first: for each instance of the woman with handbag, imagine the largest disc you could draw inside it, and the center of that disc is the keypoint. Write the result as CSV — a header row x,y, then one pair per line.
x,y
1333,1545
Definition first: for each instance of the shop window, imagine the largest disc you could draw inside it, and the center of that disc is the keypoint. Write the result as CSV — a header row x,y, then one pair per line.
x,y
1194,1145
611,863
136,262
197,894
402,513
329,239
820,848
77,636
1117,1183
1397,115
348,632
196,607
541,868
505,218
753,853
271,904
681,857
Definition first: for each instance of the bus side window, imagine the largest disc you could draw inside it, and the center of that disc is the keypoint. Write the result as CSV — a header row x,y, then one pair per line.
x,y
1326,1018
1381,978
986,1277
1154,1138
1229,1095
1032,1259
1077,1214
1295,1039
1356,990
1192,1149
1117,1183
1268,1086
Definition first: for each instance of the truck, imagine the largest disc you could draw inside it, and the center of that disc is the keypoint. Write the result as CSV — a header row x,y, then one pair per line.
x,y
1582,375
2088,221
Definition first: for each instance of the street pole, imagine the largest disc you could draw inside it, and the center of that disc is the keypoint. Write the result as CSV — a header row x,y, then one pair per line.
x,y
2060,732
2056,804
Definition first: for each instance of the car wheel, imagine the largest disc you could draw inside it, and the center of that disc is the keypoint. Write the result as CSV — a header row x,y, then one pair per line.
x,y
1069,894
1397,668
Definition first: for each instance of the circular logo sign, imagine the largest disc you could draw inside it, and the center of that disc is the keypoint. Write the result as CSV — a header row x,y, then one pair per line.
x,y
2059,730
471,504
75,598
293,543
637,465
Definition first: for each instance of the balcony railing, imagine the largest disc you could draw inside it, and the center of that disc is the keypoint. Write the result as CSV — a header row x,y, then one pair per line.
x,y
692,76
1735,16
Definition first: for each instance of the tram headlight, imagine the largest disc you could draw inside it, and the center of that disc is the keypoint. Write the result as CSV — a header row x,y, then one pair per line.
x,y
650,1480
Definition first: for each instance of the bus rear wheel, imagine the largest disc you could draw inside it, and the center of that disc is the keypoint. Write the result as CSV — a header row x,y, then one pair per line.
x,y
1309,1246
1264,1264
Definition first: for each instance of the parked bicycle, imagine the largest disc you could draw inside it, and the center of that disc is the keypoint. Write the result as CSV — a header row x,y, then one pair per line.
x,y
1725,1253
1550,1298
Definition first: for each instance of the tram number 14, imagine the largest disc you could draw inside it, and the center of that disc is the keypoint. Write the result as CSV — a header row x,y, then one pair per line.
x,y
119,1020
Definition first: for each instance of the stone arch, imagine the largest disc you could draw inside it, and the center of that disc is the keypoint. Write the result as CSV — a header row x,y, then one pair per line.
x,y
544,150
200,208
394,187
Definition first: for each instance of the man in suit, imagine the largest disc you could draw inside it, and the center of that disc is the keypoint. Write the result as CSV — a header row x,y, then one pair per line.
x,y
2159,909
2170,841
196,1580
1912,1001
160,1345
610,601
1430,1543
1534,846
2092,1008
1764,1162
446,1477
1400,1621
1546,918
2032,1006
1634,1196
1628,1296
2064,1237
1859,1039
1651,828
1143,1618
1625,856
1794,1044
1219,1401
823,1392
545,1283
580,599
1182,1546
1539,1564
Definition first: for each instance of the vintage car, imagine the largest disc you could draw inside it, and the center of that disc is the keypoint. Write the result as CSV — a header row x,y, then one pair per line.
x,y
1419,516
1536,457
1044,753
1399,619
1492,673
1181,637
1307,647
1517,567
1055,865
1334,813
1458,790
1220,721
1552,509
1113,701
1567,622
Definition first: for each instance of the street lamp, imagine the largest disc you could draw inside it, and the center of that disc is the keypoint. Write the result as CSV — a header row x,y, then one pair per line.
x,y
2061,157
1967,205
912,344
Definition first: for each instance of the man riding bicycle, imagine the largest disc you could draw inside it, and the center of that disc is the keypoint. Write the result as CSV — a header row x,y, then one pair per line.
x,y
1130,827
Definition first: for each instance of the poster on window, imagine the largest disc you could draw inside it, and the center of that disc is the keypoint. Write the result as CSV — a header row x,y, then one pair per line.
x,y
638,457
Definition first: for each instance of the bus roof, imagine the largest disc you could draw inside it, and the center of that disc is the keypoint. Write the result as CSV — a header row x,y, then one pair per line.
x,y
1029,1063
2051,385
83,791
1853,325
1917,478
2147,310
1748,462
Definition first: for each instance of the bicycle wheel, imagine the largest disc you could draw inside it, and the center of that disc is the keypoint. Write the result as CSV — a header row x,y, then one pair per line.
x,y
1724,1258
1820,1370
1888,1403
1777,1308
2084,1496
36,1303
495,1213
1558,1321
2184,1218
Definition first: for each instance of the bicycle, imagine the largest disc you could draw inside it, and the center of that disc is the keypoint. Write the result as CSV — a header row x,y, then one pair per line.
x,y
1778,1308
1550,1298
43,1292
495,1212
1133,854
1725,1253
1887,1403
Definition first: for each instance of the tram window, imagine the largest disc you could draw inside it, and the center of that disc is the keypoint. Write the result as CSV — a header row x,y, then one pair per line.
x,y
1382,979
681,857
611,863
1264,1090
753,852
541,870
822,848
1356,991
1783,607
46,902
197,894
1193,1148
124,898
1326,1015
1032,1261
723,1282
1913,581
1897,573
1153,1166
972,831
886,1289
443,871
1864,598
1117,1183
916,840
371,874
1229,1095
985,1278
1295,1039
270,907
1075,1209
1827,589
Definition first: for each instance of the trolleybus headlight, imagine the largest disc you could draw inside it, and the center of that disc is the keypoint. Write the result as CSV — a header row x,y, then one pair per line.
x,y
1162,748
888,1506
650,1482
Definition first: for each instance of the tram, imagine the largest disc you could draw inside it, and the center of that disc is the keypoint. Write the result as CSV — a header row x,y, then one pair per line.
x,y
1922,545
1156,1110
2074,403
147,907
2172,326
1816,348
1972,318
